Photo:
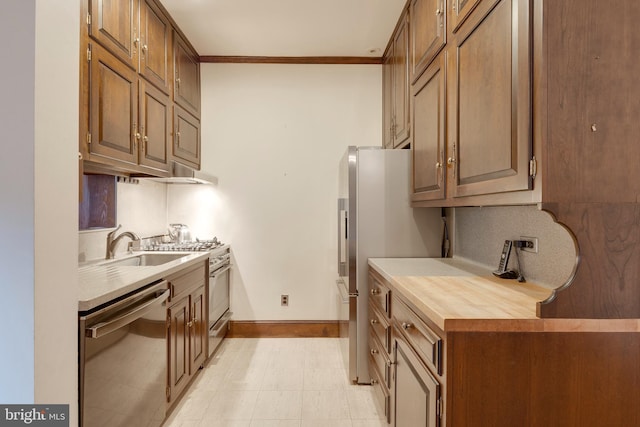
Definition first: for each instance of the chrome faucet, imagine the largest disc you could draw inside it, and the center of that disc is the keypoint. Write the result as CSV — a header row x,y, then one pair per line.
x,y
113,242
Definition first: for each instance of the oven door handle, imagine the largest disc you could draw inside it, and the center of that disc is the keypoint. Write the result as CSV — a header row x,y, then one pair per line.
x,y
219,271
104,328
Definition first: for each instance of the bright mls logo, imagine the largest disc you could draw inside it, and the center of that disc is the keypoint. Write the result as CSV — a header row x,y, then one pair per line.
x,y
34,415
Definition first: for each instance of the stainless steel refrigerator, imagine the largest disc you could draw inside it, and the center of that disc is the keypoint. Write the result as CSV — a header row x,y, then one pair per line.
x,y
375,220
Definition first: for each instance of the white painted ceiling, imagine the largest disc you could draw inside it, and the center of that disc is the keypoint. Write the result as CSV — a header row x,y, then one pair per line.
x,y
286,27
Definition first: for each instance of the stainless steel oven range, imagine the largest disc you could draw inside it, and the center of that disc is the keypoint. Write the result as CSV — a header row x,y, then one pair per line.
x,y
219,281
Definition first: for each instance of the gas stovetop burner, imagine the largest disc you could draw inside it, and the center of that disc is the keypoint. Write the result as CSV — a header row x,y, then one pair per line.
x,y
192,246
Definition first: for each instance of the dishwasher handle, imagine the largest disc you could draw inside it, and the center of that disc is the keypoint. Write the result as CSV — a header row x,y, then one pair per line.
x,y
103,328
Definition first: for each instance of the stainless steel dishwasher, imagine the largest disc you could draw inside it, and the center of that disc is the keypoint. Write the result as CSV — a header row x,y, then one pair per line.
x,y
123,360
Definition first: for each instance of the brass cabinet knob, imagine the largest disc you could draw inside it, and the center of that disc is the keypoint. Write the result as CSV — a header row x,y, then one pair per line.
x,y
451,160
375,291
374,351
406,325
374,321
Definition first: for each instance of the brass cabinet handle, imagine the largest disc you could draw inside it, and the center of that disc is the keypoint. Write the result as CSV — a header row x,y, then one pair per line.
x,y
406,325
374,321
178,82
451,160
374,381
190,324
374,351
438,12
144,48
375,291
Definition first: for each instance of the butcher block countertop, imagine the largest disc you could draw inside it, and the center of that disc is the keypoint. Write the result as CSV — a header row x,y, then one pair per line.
x,y
460,296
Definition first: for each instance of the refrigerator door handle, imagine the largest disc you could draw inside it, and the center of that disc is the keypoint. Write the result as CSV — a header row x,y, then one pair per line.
x,y
343,233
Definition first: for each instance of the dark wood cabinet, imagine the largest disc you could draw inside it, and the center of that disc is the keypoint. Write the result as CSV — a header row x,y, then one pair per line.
x,y
127,93
114,24
199,330
460,9
179,333
400,84
186,138
128,118
416,393
429,132
188,330
490,93
113,107
155,46
387,103
155,127
186,92
428,33
396,110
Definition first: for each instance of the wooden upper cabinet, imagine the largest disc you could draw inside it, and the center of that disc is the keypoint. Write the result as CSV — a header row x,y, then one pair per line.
x,y
186,91
113,105
400,83
155,46
155,126
490,131
114,24
460,10
429,130
428,33
387,104
186,138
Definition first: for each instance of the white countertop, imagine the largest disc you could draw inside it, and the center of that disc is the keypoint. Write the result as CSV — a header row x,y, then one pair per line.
x,y
100,283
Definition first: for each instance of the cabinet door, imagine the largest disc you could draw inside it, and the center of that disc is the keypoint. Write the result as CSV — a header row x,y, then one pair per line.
x,y
155,54
114,23
429,132
387,104
187,76
400,83
198,330
416,391
428,33
179,319
491,90
186,139
460,9
113,104
155,127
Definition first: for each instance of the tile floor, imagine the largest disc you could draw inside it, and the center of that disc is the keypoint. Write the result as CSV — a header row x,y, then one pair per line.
x,y
276,382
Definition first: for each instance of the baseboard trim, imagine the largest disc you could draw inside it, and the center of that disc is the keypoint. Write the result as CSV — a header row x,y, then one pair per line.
x,y
284,329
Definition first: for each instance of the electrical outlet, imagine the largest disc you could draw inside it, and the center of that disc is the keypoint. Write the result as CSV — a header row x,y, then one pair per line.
x,y
284,300
534,241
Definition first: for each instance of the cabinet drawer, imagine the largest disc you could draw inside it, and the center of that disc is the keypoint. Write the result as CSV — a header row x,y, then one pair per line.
x,y
381,394
380,327
379,295
379,359
187,280
426,342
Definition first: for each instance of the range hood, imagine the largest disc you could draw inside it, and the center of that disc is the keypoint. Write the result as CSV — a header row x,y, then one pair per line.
x,y
185,175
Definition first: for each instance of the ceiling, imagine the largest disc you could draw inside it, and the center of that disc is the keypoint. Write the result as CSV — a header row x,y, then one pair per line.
x,y
286,27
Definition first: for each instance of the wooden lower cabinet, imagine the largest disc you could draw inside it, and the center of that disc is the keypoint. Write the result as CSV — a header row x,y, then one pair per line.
x,y
416,393
538,373
187,322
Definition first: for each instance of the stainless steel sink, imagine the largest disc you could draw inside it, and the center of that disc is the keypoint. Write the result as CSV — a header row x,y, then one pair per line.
x,y
145,260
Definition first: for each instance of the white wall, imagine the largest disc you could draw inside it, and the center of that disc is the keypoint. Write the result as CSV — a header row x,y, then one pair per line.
x,y
56,203
39,189
17,24
274,135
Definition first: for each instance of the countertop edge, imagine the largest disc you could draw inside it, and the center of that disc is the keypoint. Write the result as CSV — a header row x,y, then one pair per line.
x,y
513,325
